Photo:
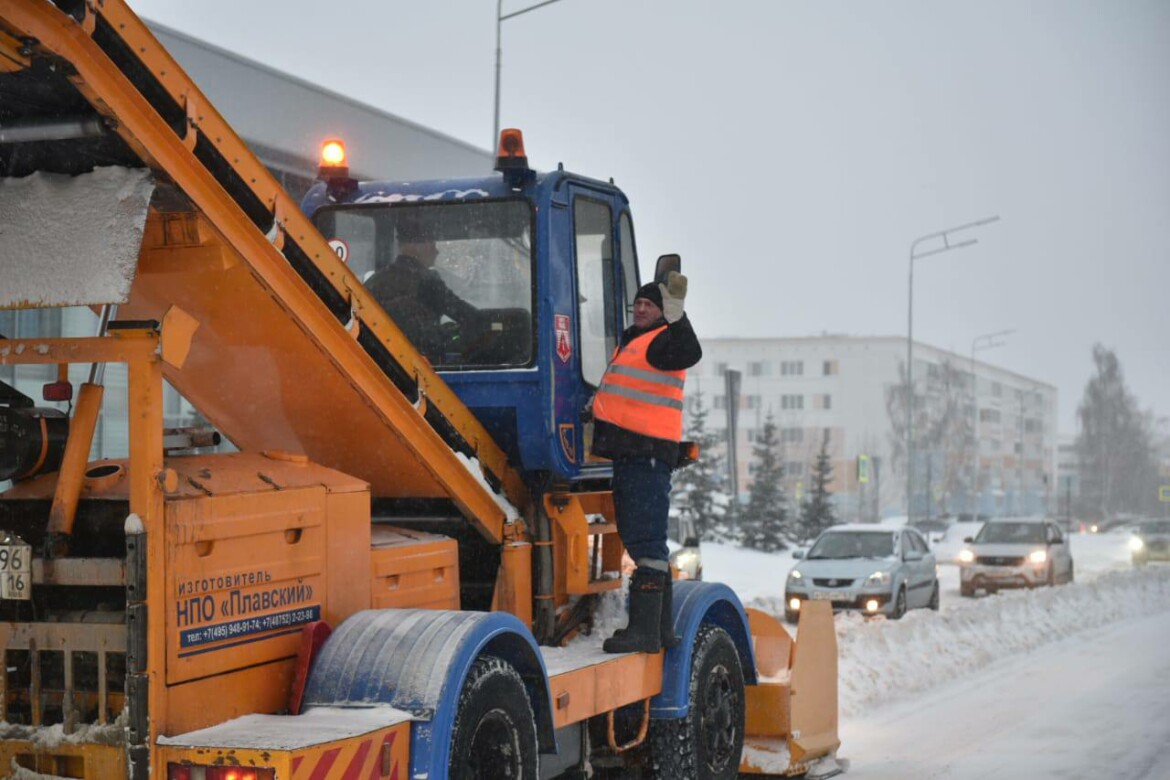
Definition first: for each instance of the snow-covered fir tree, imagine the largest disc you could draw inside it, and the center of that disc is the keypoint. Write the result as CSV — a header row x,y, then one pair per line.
x,y
763,522
697,492
817,511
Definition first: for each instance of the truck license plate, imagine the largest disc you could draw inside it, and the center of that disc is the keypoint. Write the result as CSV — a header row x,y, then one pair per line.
x,y
15,569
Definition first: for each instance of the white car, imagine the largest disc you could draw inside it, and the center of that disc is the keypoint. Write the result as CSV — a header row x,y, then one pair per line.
x,y
1014,553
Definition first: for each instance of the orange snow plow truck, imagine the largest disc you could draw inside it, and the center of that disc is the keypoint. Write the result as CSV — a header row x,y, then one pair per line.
x,y
310,546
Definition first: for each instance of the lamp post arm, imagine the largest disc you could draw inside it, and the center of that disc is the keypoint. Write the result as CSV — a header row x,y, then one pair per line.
x,y
947,246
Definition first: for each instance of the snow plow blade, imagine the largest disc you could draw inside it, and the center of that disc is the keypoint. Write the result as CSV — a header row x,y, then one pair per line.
x,y
791,724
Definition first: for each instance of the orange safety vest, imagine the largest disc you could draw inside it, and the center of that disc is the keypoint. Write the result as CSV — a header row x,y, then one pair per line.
x,y
639,397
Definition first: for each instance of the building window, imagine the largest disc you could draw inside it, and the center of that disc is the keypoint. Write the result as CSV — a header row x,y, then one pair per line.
x,y
757,368
720,369
792,368
794,468
792,402
989,415
752,402
1033,426
720,402
831,368
822,401
792,435
996,389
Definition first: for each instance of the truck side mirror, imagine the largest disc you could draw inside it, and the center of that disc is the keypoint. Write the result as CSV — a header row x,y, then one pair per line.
x,y
666,264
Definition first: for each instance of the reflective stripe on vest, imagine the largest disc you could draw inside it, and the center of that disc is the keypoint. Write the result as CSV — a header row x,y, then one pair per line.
x,y
638,397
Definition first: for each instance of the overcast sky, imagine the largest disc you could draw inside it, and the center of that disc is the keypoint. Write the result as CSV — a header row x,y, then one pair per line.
x,y
791,151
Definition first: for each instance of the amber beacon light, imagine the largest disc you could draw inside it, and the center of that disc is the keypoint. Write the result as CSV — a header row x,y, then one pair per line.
x,y
511,159
334,163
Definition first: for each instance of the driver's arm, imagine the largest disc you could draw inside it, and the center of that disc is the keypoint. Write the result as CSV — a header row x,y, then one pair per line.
x,y
435,293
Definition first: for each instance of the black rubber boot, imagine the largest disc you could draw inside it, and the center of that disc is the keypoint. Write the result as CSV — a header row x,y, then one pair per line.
x,y
666,624
643,633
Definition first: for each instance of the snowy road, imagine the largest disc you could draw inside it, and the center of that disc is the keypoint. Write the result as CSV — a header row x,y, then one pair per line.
x,y
1094,705
1068,682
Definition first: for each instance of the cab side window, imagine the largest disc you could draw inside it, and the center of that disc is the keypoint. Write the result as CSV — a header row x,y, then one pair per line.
x,y
593,231
629,260
1054,535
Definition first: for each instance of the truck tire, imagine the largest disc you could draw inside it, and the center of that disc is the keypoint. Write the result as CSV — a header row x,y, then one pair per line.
x,y
708,742
966,591
494,736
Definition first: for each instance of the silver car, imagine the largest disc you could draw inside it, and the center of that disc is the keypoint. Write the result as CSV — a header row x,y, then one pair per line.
x,y
872,570
1150,542
1014,553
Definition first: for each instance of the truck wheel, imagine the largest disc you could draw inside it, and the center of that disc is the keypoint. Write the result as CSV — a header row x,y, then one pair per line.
x,y
494,737
707,743
966,591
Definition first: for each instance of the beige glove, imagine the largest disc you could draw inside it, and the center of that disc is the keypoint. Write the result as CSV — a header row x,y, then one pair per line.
x,y
673,294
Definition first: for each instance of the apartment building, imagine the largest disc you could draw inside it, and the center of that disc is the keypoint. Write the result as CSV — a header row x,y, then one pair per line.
x,y
985,439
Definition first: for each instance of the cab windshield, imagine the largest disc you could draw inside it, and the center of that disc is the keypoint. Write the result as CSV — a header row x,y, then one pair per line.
x,y
455,277
853,544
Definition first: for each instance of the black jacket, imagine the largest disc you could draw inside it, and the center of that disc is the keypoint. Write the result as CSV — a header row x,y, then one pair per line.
x,y
674,349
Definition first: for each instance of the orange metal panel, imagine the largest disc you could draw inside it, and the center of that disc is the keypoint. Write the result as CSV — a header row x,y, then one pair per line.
x,y
413,569
773,645
86,761
348,535
767,710
205,702
814,684
513,591
246,572
78,350
593,690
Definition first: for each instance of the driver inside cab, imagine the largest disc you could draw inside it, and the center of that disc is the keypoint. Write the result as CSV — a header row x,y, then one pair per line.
x,y
416,297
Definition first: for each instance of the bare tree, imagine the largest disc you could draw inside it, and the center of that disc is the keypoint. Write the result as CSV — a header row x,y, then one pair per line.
x,y
1115,445
942,429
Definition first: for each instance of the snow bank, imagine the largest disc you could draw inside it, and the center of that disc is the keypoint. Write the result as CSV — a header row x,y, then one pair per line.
x,y
882,661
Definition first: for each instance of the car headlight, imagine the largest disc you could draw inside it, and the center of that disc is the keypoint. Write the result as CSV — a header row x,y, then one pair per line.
x,y
966,556
795,575
1038,556
1136,544
878,578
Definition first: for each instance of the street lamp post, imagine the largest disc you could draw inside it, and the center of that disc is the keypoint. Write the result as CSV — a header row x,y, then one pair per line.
x,y
501,17
915,254
978,344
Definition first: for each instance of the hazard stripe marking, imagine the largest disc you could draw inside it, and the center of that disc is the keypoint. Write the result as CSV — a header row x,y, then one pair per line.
x,y
353,771
324,764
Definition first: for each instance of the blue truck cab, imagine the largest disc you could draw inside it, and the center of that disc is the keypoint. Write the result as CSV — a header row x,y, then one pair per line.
x,y
535,273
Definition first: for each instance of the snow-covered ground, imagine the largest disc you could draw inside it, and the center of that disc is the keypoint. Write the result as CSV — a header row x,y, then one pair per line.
x,y
994,686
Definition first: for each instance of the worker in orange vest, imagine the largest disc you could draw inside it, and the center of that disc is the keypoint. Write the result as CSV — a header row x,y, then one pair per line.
x,y
638,421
